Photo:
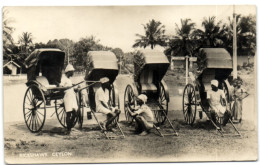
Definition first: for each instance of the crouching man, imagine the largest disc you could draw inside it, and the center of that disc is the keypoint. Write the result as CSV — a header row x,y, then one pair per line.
x,y
102,103
218,104
143,116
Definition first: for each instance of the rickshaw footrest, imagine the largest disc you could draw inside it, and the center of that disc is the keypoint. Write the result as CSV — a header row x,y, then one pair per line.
x,y
158,109
173,134
115,137
231,134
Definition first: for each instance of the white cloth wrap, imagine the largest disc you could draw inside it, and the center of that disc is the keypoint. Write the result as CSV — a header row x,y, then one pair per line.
x,y
70,98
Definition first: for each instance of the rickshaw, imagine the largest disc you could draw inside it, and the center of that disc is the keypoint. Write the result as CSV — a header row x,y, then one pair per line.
x,y
213,63
44,72
100,64
150,67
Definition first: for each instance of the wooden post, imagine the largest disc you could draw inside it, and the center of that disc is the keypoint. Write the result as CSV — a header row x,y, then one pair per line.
x,y
120,63
248,59
191,63
68,50
172,63
187,69
234,44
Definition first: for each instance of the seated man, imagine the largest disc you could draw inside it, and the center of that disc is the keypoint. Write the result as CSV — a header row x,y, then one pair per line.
x,y
215,96
143,116
102,102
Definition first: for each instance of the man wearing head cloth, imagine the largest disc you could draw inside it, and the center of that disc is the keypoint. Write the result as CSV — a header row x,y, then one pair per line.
x,y
143,116
102,102
215,98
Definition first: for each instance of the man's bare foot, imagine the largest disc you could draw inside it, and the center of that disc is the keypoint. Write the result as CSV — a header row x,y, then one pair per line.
x,y
235,121
103,126
143,133
113,130
67,132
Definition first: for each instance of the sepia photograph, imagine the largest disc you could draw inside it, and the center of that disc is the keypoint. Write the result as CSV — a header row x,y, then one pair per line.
x,y
120,84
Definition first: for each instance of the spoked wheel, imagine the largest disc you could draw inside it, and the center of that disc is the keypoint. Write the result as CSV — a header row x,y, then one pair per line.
x,y
189,104
226,92
128,101
219,119
163,105
112,100
34,108
80,110
61,113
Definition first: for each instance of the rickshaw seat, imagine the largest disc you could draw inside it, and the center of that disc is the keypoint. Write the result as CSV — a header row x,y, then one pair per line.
x,y
146,81
44,82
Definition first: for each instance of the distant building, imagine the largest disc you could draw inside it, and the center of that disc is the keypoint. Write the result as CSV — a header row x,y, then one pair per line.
x,y
178,62
11,68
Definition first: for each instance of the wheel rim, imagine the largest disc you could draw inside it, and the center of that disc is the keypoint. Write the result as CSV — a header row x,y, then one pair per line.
x,y
113,102
163,105
189,104
34,109
226,92
128,99
61,113
81,111
81,116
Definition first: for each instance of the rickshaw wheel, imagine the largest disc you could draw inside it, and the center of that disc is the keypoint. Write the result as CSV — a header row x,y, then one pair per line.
x,y
226,91
189,104
80,111
61,113
34,108
163,105
128,101
112,98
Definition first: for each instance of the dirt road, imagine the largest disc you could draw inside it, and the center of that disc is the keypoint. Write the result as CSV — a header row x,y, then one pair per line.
x,y
198,143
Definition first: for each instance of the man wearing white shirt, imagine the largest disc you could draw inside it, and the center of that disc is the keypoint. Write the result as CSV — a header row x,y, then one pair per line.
x,y
215,97
102,102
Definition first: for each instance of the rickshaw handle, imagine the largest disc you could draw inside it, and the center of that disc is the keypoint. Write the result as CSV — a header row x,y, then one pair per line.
x,y
76,84
87,86
82,82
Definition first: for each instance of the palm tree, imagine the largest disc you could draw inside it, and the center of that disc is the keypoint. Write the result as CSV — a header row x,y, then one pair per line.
x,y
25,40
7,32
246,34
212,34
183,43
154,35
67,46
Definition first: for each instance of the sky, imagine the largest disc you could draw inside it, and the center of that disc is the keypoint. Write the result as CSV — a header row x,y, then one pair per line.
x,y
114,26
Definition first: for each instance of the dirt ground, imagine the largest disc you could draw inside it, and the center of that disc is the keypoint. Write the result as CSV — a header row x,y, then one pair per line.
x,y
200,142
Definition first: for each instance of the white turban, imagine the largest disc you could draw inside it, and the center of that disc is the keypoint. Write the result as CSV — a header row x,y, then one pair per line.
x,y
104,80
69,68
143,98
214,82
